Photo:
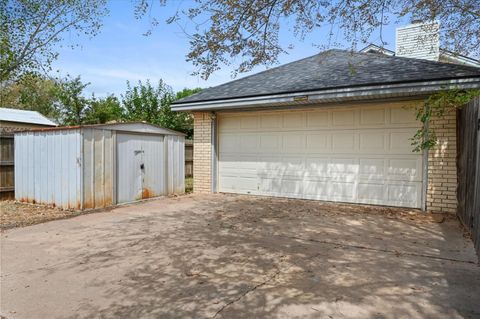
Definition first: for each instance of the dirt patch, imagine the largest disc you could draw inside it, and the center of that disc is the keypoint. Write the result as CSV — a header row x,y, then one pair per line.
x,y
254,208
14,214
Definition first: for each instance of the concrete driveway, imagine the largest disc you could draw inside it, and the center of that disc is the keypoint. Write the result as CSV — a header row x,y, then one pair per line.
x,y
221,256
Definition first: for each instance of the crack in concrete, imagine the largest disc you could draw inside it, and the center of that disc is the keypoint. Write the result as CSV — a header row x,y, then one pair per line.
x,y
326,242
263,283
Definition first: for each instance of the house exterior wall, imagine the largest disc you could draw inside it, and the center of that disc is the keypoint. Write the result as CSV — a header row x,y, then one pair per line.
x,y
442,166
202,152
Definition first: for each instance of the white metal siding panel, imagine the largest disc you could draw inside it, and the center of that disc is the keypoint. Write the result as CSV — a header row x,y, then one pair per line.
x,y
175,164
360,155
46,167
98,171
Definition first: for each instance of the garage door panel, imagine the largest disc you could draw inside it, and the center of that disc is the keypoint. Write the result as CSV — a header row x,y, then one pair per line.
x,y
276,186
372,142
228,143
351,155
318,119
242,183
371,192
400,142
344,142
318,142
343,118
229,124
371,168
294,143
249,122
294,120
270,143
249,143
405,169
270,121
406,195
341,191
401,115
372,117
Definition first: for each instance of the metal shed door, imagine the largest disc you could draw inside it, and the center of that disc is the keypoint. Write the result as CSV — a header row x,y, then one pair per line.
x,y
140,167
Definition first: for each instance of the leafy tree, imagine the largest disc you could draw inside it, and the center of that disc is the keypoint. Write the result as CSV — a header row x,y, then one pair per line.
x,y
249,30
32,92
72,103
103,110
186,92
144,102
31,31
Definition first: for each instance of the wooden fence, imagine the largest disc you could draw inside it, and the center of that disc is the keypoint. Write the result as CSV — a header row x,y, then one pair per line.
x,y
7,185
188,158
469,169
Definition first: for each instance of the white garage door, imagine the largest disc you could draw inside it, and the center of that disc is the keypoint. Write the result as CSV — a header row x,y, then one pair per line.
x,y
358,155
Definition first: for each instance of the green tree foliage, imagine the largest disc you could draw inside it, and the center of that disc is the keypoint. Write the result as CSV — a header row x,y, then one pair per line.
x,y
31,30
32,92
73,104
144,102
64,100
103,110
436,106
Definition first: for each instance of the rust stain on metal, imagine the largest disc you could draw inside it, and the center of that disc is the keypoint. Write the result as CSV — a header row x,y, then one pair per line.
x,y
146,193
107,201
87,204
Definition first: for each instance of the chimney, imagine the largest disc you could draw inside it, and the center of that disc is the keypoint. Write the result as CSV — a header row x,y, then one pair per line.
x,y
419,41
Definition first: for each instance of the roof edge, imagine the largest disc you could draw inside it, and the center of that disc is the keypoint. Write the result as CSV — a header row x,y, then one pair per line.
x,y
100,126
334,95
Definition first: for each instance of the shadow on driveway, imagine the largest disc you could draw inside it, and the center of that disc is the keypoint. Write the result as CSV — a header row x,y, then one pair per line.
x,y
222,256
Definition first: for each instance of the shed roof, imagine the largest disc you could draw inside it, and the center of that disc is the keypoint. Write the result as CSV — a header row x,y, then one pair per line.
x,y
333,69
138,127
24,116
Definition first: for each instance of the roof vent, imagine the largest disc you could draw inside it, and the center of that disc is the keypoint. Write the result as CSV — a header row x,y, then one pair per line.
x,y
419,41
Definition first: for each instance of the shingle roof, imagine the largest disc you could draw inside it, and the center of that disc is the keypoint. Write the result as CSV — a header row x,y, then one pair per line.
x,y
23,116
334,69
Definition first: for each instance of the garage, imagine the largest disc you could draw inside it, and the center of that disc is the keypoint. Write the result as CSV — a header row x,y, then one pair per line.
x,y
357,154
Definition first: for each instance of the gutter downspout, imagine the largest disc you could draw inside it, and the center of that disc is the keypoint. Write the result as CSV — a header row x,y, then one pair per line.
x,y
425,173
214,144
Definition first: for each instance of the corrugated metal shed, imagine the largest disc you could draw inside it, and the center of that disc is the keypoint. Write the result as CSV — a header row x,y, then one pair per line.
x,y
97,166
23,116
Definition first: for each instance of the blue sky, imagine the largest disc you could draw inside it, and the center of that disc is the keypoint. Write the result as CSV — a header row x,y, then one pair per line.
x,y
121,52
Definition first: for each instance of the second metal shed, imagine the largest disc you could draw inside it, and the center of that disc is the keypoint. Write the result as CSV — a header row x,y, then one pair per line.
x,y
96,166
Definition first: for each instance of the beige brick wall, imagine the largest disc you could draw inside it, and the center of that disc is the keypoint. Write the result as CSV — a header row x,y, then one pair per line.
x,y
202,152
442,166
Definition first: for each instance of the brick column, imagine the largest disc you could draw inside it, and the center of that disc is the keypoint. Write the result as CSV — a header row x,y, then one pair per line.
x,y
442,166
202,152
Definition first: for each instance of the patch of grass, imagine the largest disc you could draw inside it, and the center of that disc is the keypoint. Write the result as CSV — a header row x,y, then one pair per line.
x,y
188,184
